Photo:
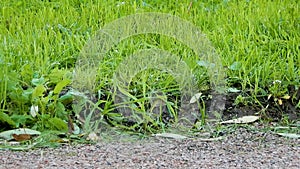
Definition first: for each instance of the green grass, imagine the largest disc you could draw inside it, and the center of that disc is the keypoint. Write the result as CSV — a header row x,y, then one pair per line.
x,y
258,42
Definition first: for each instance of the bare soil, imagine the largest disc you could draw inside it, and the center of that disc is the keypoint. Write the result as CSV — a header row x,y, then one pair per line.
x,y
241,149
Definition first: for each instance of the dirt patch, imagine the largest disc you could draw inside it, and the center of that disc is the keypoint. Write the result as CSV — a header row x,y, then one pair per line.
x,y
269,108
238,104
241,149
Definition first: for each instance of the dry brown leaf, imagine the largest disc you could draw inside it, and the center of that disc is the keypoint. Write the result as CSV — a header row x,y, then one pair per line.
x,y
70,125
21,137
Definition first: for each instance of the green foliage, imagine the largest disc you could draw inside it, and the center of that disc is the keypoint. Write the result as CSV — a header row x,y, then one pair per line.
x,y
4,118
258,42
50,105
57,124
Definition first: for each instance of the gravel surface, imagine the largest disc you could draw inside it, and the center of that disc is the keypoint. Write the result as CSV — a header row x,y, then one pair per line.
x,y
241,149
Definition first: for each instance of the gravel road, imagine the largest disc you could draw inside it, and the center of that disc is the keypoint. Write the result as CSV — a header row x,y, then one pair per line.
x,y
241,149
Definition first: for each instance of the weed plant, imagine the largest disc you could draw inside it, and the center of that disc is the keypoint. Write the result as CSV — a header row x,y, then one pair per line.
x,y
258,42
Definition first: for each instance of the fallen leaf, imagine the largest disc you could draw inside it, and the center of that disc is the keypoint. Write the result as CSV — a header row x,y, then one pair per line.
x,y
34,110
233,90
170,135
279,101
93,137
21,137
13,143
289,135
63,140
269,96
286,97
8,135
76,129
195,97
241,120
211,139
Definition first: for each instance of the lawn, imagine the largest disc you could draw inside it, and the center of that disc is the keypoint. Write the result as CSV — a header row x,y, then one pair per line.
x,y
257,42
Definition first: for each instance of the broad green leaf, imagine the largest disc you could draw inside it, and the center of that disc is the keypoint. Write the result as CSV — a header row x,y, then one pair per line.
x,y
38,81
5,118
59,86
60,109
67,98
20,96
58,124
57,75
38,91
26,72
206,64
235,66
20,119
12,80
